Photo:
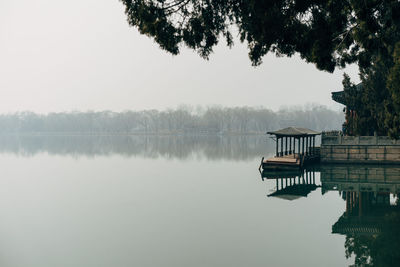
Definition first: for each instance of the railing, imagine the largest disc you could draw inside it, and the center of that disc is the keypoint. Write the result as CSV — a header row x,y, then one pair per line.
x,y
357,140
332,133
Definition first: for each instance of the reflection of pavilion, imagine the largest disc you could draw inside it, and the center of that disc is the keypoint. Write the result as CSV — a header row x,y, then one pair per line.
x,y
366,191
370,221
365,212
292,185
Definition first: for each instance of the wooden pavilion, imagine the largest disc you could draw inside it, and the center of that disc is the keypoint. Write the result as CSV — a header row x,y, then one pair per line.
x,y
295,147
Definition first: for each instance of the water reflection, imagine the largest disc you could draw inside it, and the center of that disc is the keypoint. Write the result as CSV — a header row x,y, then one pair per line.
x,y
181,147
293,184
371,217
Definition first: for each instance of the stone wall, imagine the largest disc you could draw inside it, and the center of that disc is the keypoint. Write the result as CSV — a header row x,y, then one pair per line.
x,y
360,149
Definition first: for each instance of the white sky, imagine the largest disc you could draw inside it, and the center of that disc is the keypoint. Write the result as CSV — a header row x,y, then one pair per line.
x,y
82,55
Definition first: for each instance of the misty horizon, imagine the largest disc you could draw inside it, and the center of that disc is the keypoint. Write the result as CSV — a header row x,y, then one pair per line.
x,y
182,120
95,61
195,109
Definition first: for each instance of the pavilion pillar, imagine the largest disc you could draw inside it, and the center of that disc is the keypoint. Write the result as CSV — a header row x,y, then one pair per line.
x,y
281,153
286,151
277,142
306,144
294,145
307,148
314,144
302,145
298,151
290,145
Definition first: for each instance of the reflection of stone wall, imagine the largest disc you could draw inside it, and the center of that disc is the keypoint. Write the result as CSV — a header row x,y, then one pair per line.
x,y
360,178
360,149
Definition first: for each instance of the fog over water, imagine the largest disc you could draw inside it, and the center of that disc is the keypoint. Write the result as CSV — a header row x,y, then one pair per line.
x,y
146,201
173,147
213,133
183,200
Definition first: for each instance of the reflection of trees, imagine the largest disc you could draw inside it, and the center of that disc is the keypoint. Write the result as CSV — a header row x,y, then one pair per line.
x,y
357,245
382,249
371,225
181,147
370,222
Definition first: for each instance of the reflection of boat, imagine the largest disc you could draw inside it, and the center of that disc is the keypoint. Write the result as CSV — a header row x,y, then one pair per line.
x,y
294,191
291,185
291,156
281,174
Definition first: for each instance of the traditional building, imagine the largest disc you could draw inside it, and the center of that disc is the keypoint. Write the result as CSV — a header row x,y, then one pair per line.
x,y
350,110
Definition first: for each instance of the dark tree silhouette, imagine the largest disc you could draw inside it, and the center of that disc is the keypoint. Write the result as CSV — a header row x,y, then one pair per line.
x,y
327,33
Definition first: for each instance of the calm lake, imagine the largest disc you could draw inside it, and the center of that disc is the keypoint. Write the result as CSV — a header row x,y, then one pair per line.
x,y
184,201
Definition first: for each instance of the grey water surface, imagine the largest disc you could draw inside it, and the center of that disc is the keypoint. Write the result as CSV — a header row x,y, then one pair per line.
x,y
162,201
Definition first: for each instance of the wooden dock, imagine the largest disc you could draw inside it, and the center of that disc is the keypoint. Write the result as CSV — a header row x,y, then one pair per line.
x,y
287,162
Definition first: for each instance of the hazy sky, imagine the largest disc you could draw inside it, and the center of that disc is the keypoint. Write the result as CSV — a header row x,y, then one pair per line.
x,y
82,55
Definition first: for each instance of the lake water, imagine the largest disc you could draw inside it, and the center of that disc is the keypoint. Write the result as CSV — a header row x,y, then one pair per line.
x,y
172,201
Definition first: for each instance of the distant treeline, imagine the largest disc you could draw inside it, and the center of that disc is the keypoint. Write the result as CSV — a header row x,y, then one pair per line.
x,y
184,120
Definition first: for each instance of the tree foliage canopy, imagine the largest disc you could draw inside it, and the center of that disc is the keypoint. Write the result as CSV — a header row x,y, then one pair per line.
x,y
328,33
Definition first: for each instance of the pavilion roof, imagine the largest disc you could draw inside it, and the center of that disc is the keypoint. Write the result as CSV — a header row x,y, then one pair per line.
x,y
294,131
340,97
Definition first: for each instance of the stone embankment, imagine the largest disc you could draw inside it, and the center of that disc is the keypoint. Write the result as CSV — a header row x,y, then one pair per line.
x,y
359,149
